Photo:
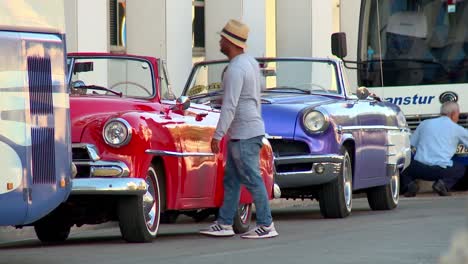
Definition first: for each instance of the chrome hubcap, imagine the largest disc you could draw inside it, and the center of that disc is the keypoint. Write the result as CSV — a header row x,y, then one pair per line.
x,y
244,211
347,183
395,187
149,202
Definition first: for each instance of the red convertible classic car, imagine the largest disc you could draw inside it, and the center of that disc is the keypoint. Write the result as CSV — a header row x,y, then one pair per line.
x,y
141,155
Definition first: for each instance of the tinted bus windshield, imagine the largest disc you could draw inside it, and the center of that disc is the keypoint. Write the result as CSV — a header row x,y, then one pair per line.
x,y
413,42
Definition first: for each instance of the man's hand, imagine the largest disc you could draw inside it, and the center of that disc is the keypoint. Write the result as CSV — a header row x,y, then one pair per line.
x,y
215,145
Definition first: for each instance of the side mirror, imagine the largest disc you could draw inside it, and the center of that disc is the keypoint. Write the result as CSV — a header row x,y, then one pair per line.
x,y
338,44
182,103
362,93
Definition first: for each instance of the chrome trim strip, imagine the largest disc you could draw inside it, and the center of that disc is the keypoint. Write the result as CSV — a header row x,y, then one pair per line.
x,y
369,128
351,128
93,153
105,168
179,154
309,159
113,186
273,137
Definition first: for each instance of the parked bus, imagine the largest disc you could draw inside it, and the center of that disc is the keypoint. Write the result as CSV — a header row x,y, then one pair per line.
x,y
34,111
413,53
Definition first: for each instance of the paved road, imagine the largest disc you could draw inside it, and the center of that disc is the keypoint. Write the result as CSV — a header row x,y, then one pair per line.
x,y
419,231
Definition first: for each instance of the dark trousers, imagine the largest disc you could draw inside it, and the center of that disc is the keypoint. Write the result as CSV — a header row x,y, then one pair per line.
x,y
417,170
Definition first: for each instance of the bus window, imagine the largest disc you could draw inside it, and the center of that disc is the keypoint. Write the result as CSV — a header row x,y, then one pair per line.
x,y
413,42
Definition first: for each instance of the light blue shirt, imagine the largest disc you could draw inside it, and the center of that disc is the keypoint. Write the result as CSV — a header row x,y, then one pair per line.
x,y
436,141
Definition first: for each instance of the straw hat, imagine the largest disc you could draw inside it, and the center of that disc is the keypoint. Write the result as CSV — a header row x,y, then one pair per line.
x,y
236,32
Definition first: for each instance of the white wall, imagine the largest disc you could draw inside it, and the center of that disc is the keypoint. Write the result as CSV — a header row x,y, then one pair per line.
x,y
162,29
157,28
92,27
254,16
218,12
322,27
293,36
71,25
349,23
303,28
146,27
179,42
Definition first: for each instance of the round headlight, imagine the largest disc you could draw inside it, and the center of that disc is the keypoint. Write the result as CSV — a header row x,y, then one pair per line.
x,y
315,121
117,132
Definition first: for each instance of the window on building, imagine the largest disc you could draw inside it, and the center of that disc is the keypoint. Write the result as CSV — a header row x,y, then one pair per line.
x,y
198,28
117,25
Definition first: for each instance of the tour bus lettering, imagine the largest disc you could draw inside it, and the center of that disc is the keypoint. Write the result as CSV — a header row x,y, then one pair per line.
x,y
415,100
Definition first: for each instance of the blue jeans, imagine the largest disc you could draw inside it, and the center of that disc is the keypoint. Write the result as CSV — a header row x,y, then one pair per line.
x,y
243,167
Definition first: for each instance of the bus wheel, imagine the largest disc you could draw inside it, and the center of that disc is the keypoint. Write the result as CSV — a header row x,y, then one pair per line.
x,y
51,232
139,216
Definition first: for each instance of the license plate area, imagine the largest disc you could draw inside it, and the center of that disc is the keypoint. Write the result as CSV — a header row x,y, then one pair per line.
x,y
462,150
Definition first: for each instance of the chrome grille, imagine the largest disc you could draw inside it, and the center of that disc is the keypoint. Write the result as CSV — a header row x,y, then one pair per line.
x,y
414,121
284,148
82,154
42,120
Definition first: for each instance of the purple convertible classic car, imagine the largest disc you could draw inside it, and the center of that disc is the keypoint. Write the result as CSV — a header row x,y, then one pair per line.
x,y
329,143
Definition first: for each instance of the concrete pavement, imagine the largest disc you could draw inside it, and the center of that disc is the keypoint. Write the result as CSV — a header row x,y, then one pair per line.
x,y
8,233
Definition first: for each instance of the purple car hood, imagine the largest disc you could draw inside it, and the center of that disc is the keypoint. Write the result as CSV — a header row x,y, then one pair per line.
x,y
280,111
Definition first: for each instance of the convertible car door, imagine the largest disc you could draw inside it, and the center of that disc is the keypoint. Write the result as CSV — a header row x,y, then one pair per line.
x,y
201,165
371,144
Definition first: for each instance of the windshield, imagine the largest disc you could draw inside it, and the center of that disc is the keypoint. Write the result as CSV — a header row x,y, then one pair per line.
x,y
125,77
277,76
419,42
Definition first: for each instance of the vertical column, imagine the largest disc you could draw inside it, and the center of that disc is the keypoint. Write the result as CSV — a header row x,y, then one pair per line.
x,y
146,28
71,25
218,12
349,23
179,42
162,29
92,27
303,28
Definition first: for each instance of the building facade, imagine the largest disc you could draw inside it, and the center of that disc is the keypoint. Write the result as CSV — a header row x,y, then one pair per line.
x,y
186,31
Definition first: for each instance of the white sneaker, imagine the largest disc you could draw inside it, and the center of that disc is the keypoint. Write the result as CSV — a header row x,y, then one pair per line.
x,y
218,230
261,232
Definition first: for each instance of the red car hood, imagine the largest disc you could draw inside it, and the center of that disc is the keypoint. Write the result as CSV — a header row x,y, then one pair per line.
x,y
97,110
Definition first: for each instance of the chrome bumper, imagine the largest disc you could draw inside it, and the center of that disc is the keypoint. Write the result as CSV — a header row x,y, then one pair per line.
x,y
323,169
276,191
108,186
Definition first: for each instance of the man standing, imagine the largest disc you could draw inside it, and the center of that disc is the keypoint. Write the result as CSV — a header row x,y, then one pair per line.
x,y
241,120
436,141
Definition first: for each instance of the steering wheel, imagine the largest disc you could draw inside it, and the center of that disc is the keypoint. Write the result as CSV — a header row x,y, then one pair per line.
x,y
132,83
